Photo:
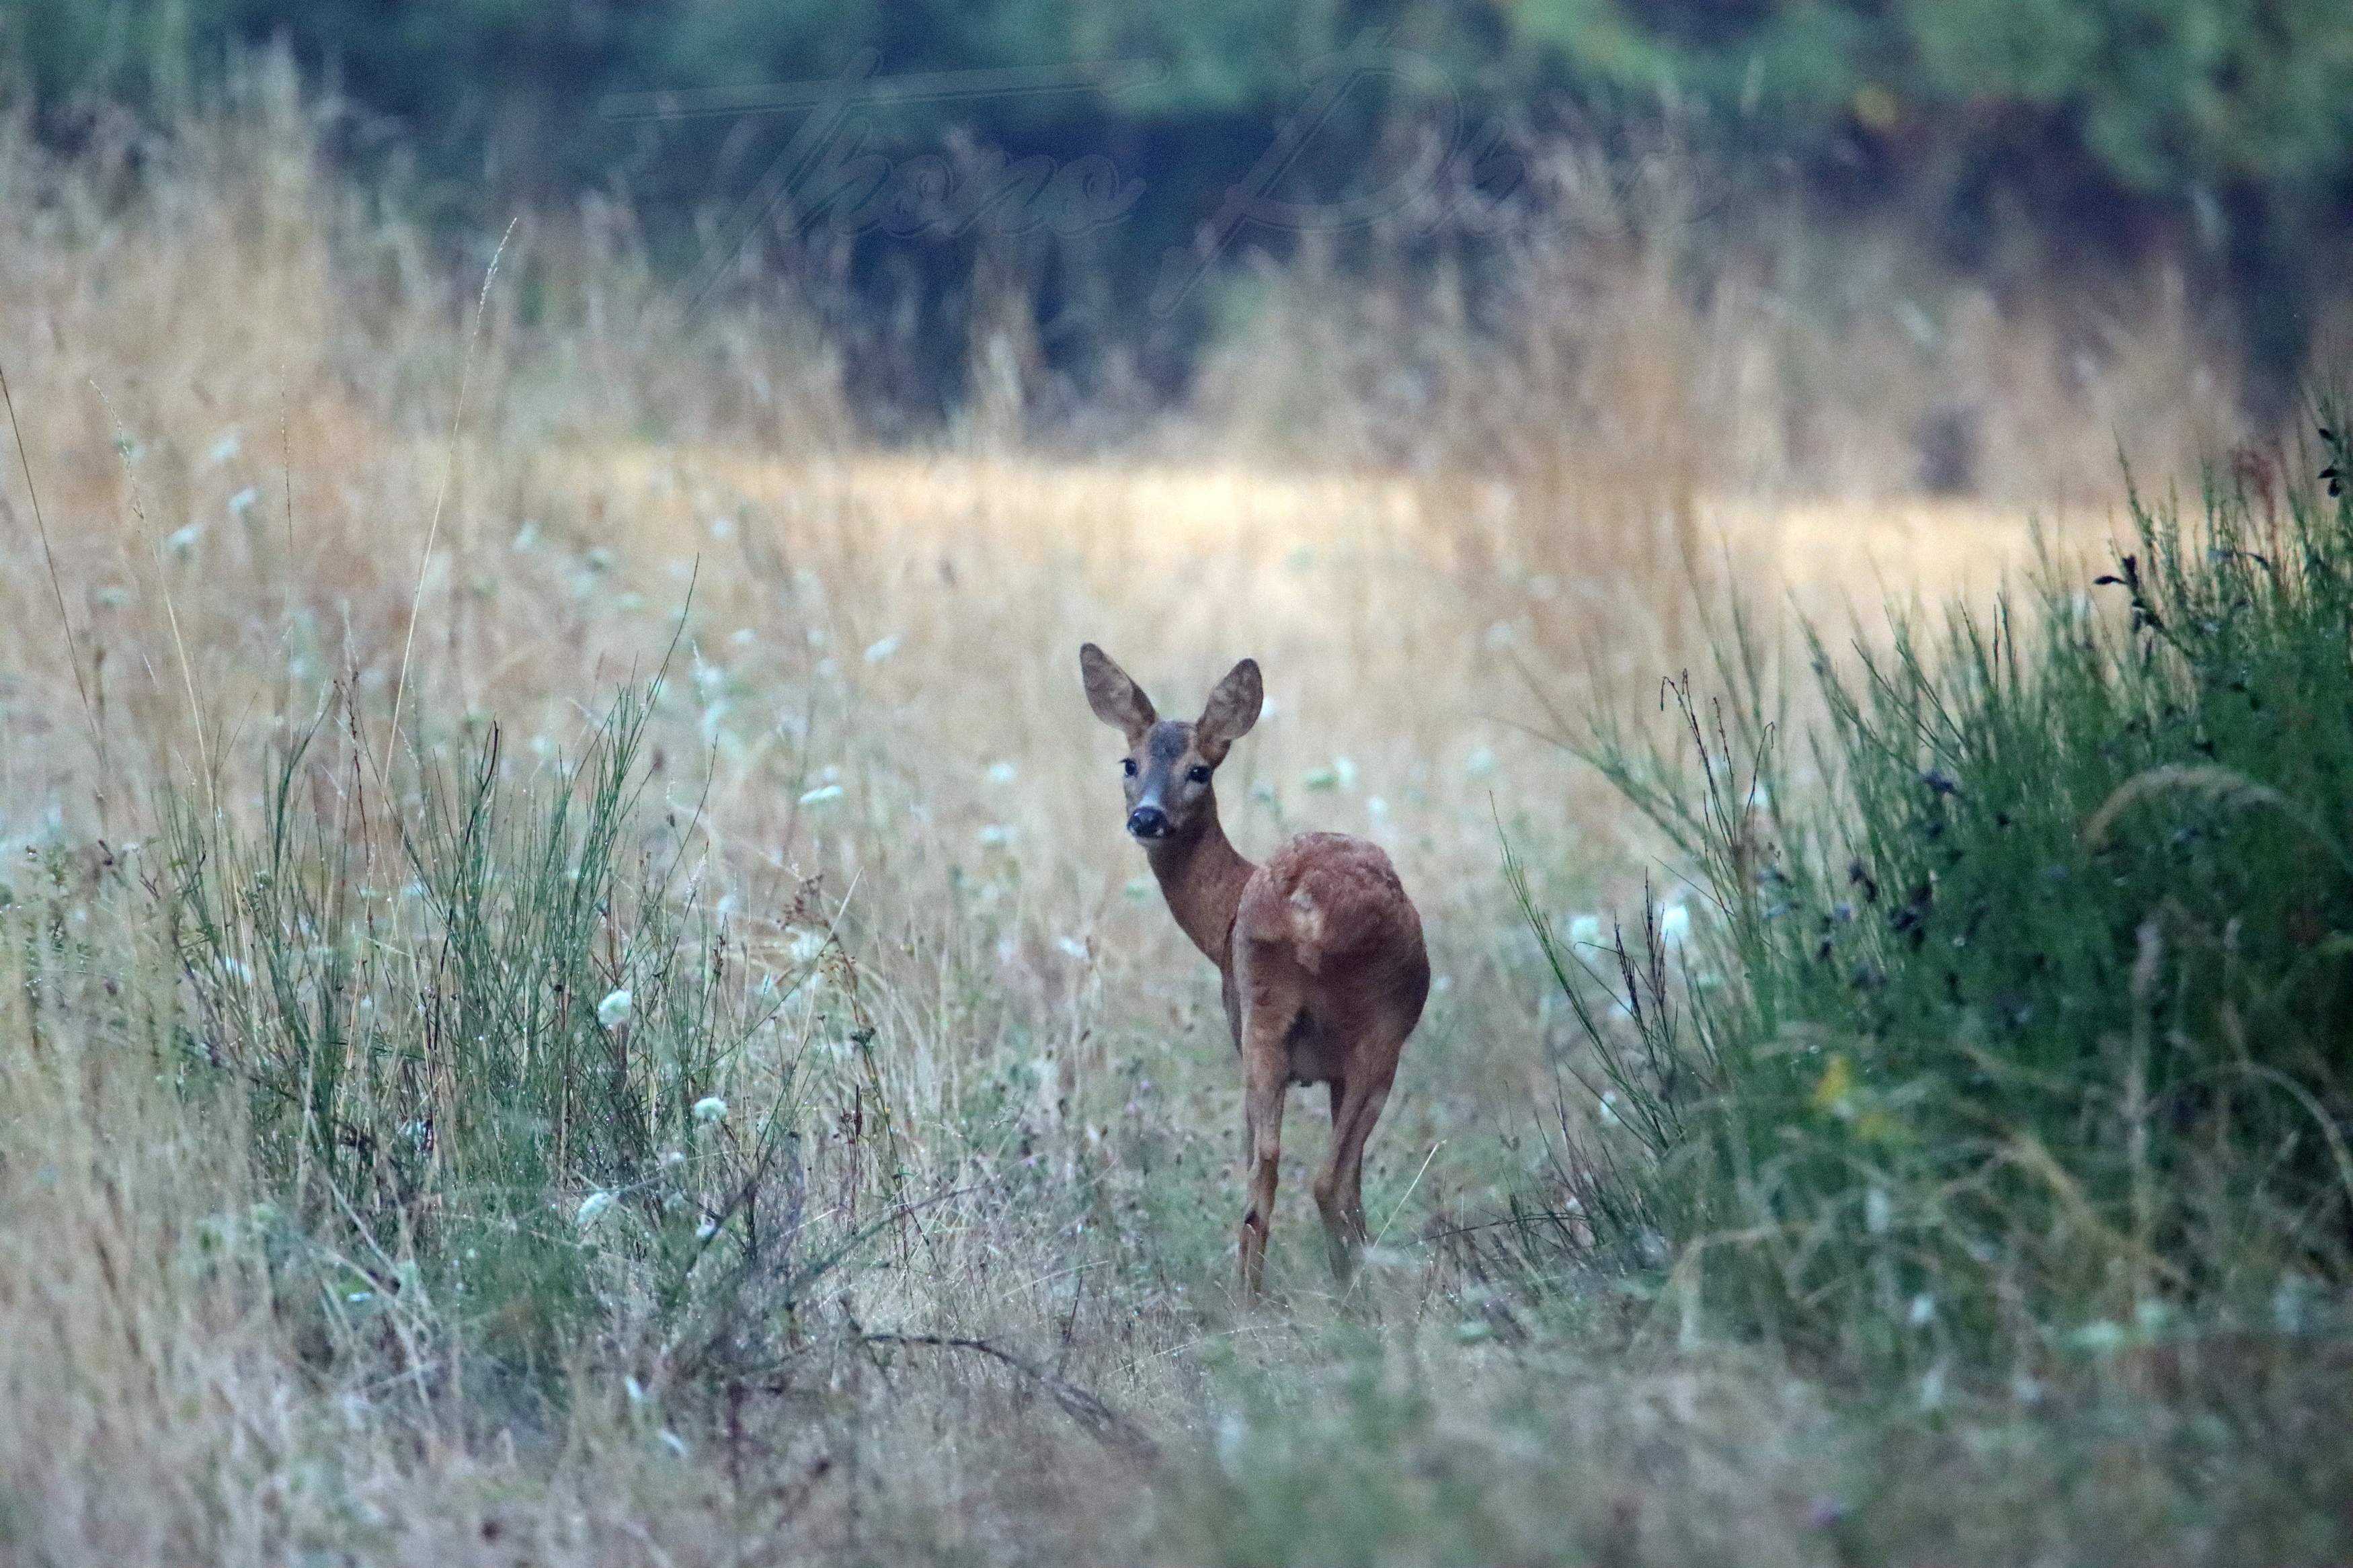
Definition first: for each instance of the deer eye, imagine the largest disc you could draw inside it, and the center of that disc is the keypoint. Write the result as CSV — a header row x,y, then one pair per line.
x,y
1127,766
1197,774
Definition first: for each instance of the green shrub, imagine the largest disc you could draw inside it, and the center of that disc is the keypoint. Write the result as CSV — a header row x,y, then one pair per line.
x,y
499,1066
2033,1018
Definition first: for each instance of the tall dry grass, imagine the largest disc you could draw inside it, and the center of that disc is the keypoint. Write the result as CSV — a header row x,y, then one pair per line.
x,y
239,381
1639,328
1585,389
867,766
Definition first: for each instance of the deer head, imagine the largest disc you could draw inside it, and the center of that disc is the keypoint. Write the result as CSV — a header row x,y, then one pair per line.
x,y
1169,763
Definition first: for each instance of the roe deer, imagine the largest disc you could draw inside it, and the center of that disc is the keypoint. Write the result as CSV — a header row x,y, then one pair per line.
x,y
1319,950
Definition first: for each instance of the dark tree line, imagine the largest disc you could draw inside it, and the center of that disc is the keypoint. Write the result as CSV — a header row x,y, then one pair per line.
x,y
1095,149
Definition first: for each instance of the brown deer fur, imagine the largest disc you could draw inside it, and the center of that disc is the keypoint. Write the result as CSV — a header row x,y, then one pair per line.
x,y
1319,950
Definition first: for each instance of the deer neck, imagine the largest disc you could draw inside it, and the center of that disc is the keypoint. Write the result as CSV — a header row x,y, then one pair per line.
x,y
1202,876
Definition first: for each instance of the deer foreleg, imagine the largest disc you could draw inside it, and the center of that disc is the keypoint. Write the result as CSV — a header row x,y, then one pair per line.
x,y
1262,1096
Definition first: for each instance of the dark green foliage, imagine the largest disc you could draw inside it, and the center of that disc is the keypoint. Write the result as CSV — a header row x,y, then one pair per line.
x,y
2043,1019
2230,119
2163,95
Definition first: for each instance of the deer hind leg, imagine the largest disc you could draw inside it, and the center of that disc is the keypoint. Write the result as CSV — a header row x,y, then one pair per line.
x,y
1263,1087
1340,1185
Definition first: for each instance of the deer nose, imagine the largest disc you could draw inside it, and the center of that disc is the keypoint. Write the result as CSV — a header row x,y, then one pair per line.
x,y
1148,822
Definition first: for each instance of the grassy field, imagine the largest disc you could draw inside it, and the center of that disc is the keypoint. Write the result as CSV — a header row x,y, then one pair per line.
x,y
576,994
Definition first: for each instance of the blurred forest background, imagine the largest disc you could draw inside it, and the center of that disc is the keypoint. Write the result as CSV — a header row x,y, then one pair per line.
x,y
1070,196
571,988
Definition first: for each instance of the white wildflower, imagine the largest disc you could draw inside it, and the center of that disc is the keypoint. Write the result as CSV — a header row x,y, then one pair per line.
x,y
1931,1388
710,1108
1585,930
614,1010
591,1208
881,648
2294,1302
1674,922
1231,1437
2100,1337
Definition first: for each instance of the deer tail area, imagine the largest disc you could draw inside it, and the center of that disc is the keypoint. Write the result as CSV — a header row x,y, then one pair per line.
x,y
1306,928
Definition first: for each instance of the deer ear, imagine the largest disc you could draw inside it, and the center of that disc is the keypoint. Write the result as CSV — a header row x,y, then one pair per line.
x,y
1117,700
1232,709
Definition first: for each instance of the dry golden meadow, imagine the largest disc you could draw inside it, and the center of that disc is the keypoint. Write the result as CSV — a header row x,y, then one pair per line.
x,y
300,472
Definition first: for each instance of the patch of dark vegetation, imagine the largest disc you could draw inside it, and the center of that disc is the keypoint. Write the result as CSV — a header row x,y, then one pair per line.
x,y
486,1036
2023,1042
